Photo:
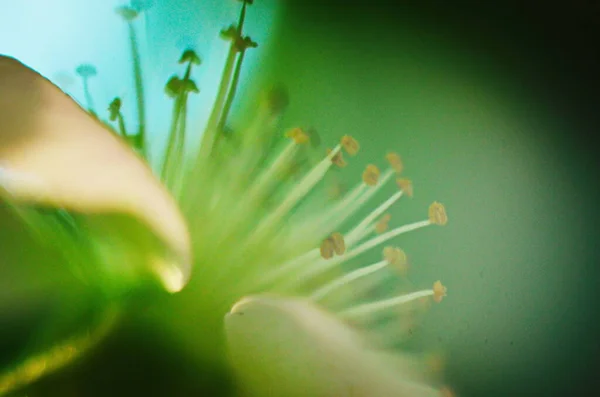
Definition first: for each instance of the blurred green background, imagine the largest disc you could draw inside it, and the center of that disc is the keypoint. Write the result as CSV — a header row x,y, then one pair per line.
x,y
493,109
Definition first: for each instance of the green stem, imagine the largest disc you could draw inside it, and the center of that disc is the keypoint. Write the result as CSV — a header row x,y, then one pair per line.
x,y
59,356
121,122
188,71
180,149
88,96
242,18
232,91
210,133
212,128
139,89
172,137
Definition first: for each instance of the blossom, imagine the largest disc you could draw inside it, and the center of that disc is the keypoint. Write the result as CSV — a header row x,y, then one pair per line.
x,y
297,319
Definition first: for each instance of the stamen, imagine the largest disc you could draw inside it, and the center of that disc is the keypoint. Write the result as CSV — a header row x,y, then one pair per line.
x,y
267,178
371,175
397,258
382,225
388,235
212,132
392,257
406,186
347,207
395,162
338,243
333,244
309,181
363,198
347,278
362,228
327,248
439,291
350,145
349,198
369,308
337,159
298,135
437,214
115,114
321,266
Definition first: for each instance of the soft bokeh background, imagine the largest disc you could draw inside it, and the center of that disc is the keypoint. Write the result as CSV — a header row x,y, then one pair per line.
x,y
493,108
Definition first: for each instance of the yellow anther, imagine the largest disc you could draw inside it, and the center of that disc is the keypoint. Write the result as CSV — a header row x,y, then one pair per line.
x,y
396,257
350,145
382,225
437,214
333,244
298,135
439,291
371,175
406,186
395,162
339,246
327,248
338,159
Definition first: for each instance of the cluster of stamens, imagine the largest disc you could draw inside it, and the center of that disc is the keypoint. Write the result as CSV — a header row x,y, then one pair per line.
x,y
336,247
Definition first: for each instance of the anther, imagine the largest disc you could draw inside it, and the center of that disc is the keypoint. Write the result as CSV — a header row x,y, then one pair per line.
x,y
396,258
298,135
333,244
405,185
339,246
383,224
337,159
439,291
395,162
327,248
371,175
437,214
350,145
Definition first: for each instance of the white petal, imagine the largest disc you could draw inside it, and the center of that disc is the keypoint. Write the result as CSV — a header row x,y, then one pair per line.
x,y
289,347
53,153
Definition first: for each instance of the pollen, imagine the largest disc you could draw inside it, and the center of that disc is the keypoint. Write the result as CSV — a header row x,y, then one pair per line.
x,y
383,224
334,244
350,145
405,185
396,257
298,135
339,246
371,175
395,162
439,291
437,214
337,158
327,249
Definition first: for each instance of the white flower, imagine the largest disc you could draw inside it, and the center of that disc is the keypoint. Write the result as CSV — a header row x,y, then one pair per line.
x,y
272,256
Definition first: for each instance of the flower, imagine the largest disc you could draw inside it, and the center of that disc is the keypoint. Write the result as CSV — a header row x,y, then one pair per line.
x,y
297,319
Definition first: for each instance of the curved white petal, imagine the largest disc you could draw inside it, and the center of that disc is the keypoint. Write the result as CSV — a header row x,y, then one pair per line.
x,y
289,347
53,153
